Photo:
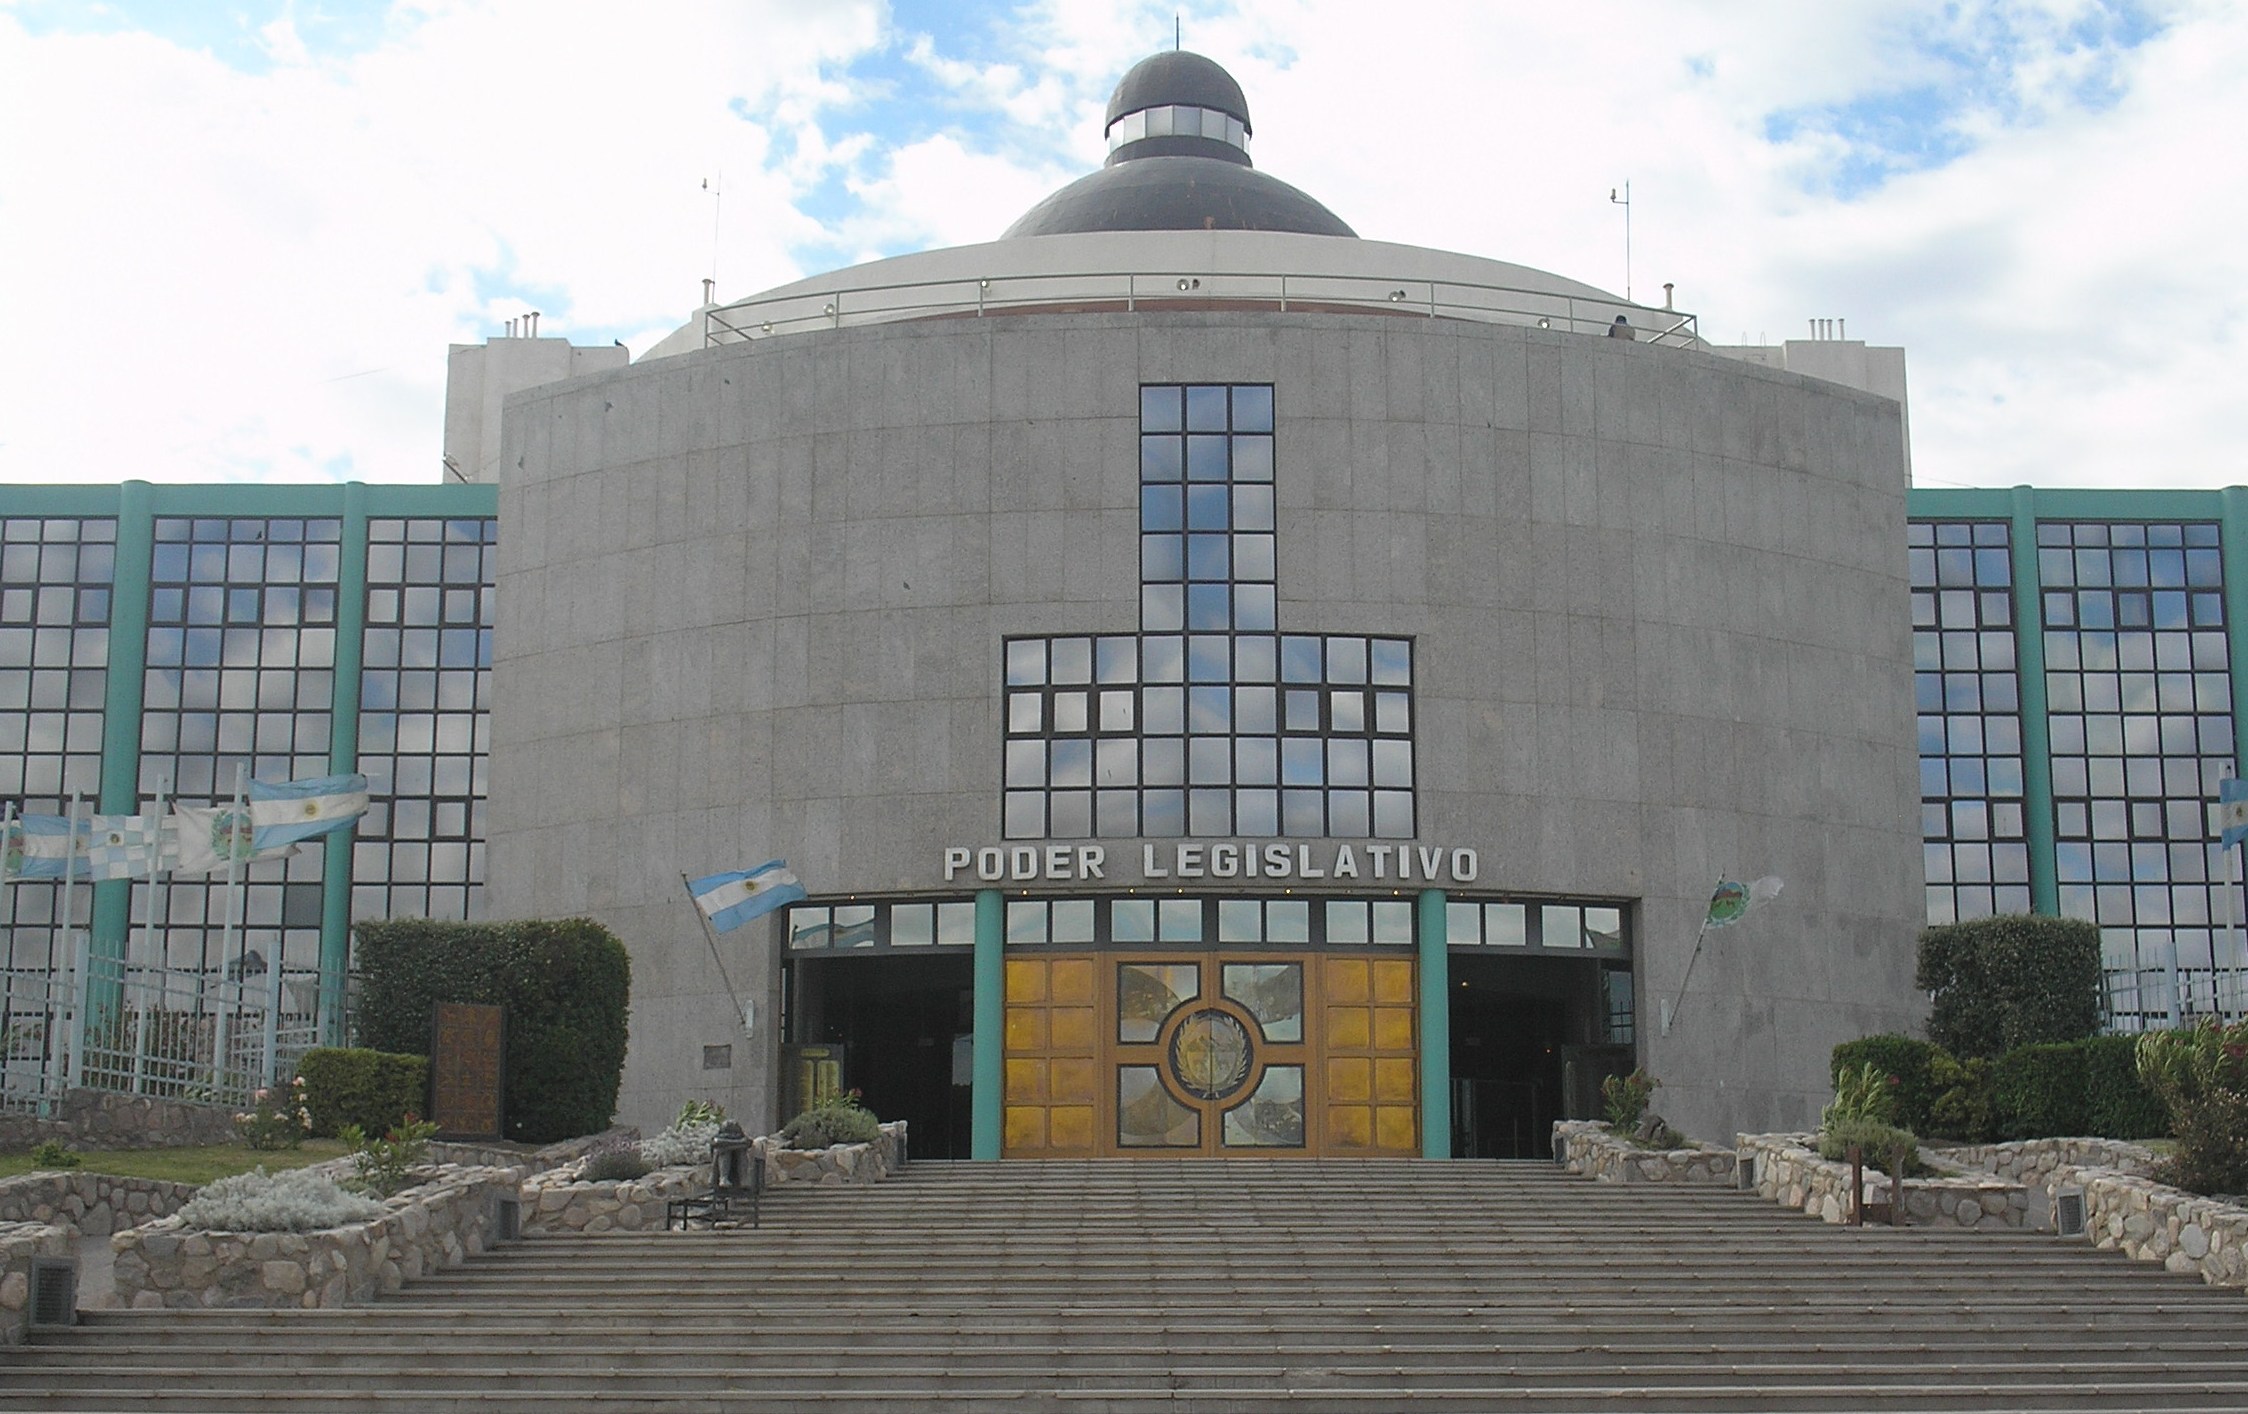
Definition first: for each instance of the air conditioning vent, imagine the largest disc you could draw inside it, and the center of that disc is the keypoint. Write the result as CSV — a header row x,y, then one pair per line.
x,y
54,1292
2068,1212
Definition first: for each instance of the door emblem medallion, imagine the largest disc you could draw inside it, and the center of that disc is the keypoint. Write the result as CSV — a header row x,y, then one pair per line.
x,y
1210,1053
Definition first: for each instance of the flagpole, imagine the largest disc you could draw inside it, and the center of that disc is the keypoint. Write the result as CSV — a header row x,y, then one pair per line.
x,y
2232,930
1670,1009
226,929
80,956
741,1017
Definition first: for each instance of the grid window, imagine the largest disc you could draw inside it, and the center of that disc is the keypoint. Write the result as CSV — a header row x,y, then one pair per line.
x,y
1548,926
425,717
1209,721
55,578
2137,674
1974,840
240,679
879,927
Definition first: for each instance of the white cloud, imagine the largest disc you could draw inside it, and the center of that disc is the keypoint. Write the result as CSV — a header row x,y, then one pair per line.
x,y
213,274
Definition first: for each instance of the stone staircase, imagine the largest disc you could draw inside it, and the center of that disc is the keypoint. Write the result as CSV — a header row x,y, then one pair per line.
x,y
1221,1285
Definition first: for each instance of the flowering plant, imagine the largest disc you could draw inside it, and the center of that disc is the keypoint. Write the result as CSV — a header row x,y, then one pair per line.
x,y
383,1165
277,1117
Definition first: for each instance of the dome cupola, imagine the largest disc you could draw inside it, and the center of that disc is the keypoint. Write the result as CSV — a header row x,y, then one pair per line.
x,y
1178,160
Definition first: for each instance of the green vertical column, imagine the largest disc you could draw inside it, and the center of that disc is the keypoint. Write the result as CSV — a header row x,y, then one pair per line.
x,y
343,757
1436,1027
2233,545
2029,672
122,700
986,1097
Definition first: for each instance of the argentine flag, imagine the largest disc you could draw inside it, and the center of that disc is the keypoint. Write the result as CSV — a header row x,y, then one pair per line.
x,y
279,817
730,900
2232,810
41,846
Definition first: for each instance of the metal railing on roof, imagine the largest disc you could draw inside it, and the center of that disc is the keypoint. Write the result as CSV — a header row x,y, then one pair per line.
x,y
1087,291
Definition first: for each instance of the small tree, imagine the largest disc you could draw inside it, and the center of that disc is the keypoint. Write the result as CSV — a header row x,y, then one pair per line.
x,y
2201,1075
2017,980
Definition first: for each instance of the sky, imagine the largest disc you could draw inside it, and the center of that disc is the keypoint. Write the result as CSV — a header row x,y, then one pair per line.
x,y
236,236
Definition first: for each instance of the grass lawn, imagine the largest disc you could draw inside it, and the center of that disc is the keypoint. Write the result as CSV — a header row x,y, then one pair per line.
x,y
192,1165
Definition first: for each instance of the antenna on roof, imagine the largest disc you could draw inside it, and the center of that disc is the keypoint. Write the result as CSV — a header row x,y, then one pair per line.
x,y
1624,201
717,208
1178,31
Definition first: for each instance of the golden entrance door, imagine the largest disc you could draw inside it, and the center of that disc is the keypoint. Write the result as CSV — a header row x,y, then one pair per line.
x,y
1210,1054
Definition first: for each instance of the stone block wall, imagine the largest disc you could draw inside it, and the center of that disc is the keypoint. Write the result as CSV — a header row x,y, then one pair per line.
x,y
845,1165
103,1119
2034,1160
2151,1222
435,1225
559,1202
1590,1147
89,1204
1790,1172
20,1242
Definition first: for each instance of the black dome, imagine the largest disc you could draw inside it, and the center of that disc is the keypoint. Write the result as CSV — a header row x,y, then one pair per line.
x,y
1176,76
1162,180
1178,194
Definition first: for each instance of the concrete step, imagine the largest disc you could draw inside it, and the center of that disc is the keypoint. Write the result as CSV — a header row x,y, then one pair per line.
x,y
1223,1285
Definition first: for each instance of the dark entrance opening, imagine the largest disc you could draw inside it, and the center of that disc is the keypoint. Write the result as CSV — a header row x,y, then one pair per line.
x,y
904,1025
1532,1038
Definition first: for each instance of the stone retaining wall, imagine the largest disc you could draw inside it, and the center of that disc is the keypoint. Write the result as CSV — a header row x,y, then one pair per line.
x,y
20,1242
2032,1160
472,1154
1590,1147
1790,1172
842,1166
434,1225
89,1204
2152,1222
104,1119
558,1202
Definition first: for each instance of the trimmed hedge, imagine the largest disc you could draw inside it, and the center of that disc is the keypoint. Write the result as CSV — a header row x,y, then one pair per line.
x,y
2089,1087
2117,1103
2014,980
2038,1092
566,985
1905,1057
372,1089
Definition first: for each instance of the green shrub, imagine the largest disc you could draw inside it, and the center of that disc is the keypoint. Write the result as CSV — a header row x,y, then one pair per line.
x,y
2016,980
613,1166
54,1154
1863,1094
1905,1057
687,1142
1624,1098
1877,1142
295,1200
2038,1092
565,984
699,1112
384,1165
372,1089
1964,1108
840,1121
2117,1104
2201,1075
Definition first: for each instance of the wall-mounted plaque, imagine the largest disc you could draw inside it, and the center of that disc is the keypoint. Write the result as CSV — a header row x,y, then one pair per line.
x,y
466,1065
